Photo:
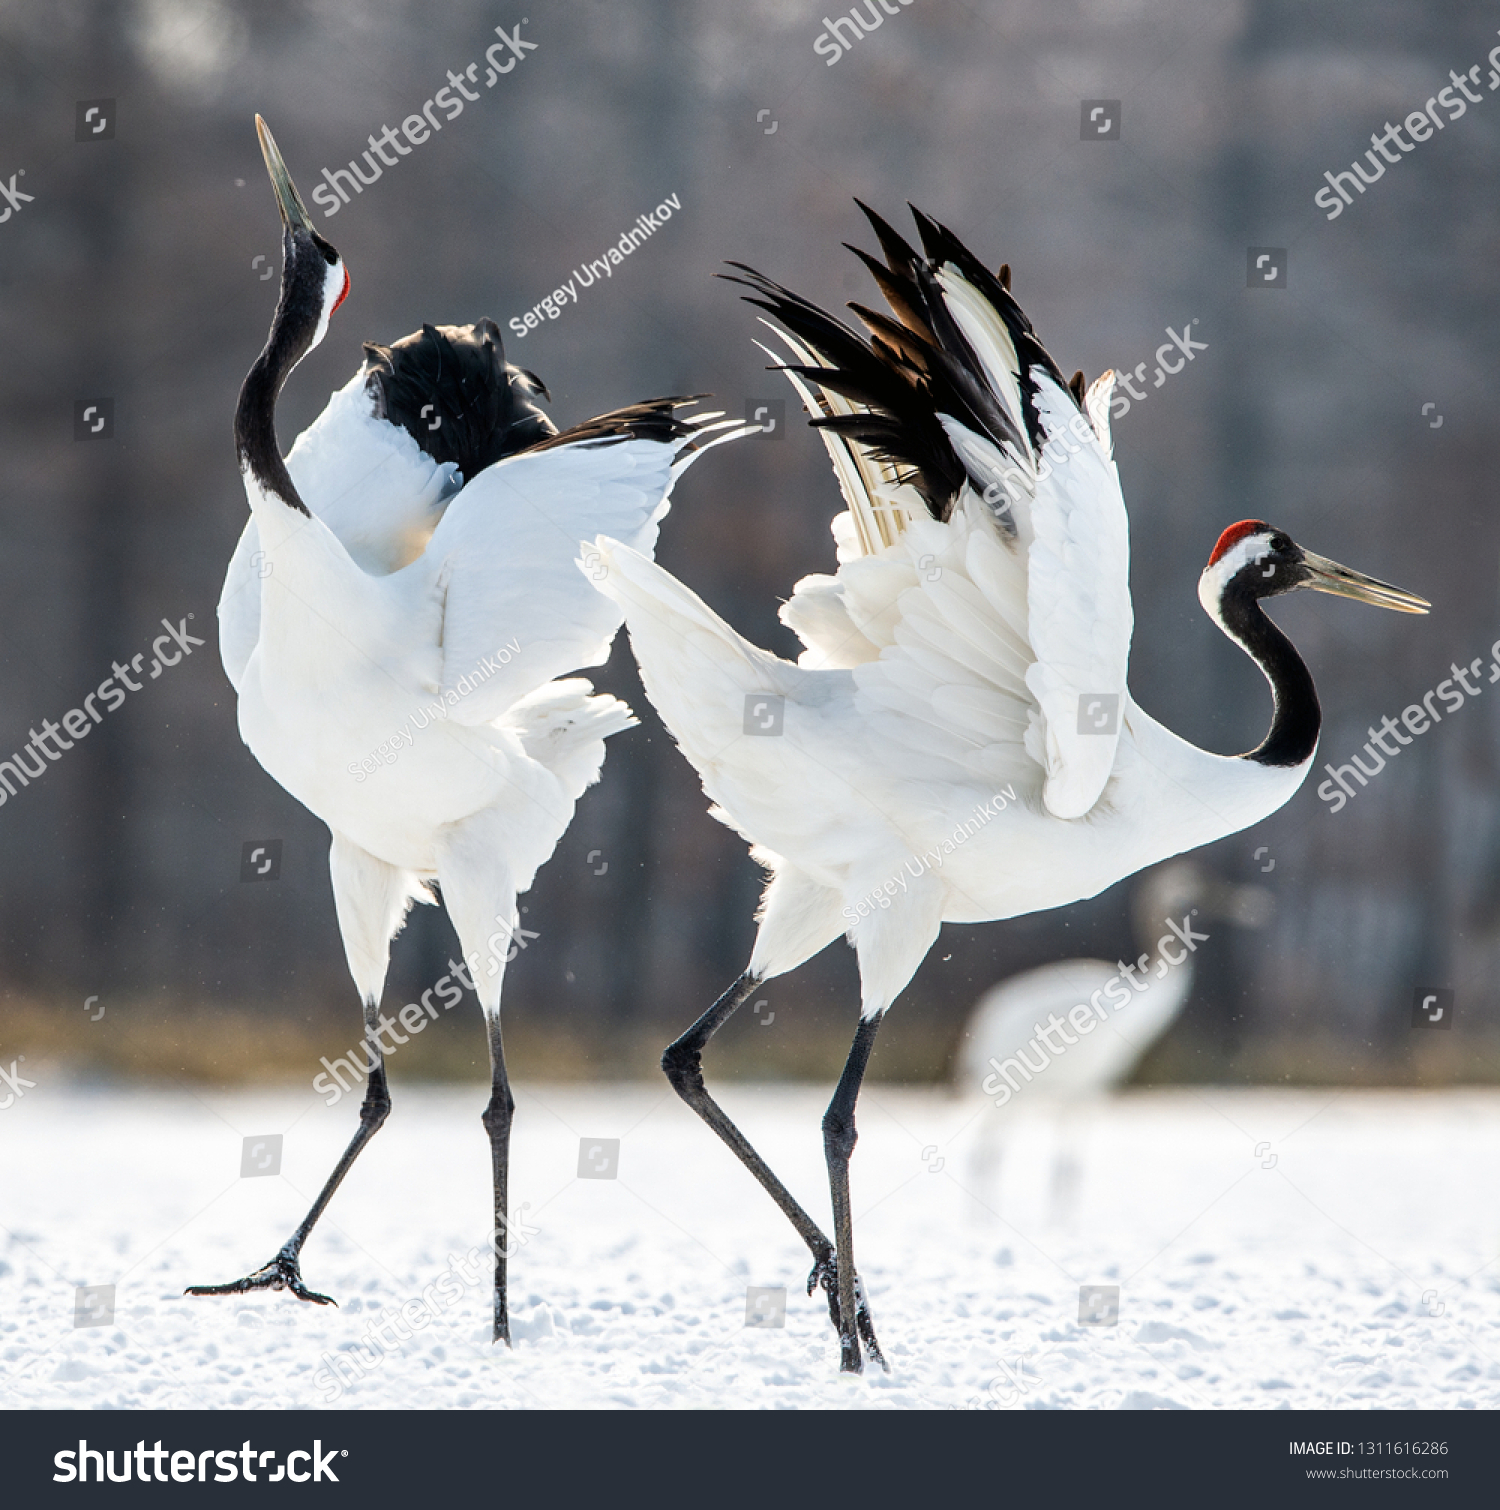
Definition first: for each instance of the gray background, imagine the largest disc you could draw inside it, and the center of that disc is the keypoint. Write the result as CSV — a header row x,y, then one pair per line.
x,y
130,275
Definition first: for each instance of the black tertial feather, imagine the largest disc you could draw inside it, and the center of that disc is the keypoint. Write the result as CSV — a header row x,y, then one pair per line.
x,y
451,389
981,409
918,367
899,338
919,454
898,252
899,291
651,419
876,387
902,427
829,336
943,246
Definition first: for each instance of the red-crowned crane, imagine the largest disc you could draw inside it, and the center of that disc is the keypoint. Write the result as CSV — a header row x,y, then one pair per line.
x,y
416,551
957,742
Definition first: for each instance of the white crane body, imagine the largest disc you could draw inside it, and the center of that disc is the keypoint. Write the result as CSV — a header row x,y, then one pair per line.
x,y
412,584
957,742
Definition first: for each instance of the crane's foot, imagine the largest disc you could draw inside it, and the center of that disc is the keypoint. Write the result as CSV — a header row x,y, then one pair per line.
x,y
282,1273
825,1272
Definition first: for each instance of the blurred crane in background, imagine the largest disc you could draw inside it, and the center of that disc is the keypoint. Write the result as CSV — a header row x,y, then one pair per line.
x,y
1001,1059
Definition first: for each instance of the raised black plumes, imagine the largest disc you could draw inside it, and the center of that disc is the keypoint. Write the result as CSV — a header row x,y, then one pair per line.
x,y
916,366
942,246
451,389
889,376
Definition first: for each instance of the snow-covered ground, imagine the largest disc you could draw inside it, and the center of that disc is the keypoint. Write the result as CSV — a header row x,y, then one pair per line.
x,y
1271,1249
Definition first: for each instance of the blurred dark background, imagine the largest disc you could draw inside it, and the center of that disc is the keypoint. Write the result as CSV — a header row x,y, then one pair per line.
x,y
1348,407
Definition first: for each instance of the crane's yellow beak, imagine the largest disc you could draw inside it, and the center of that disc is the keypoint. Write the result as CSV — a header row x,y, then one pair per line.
x,y
1328,576
294,214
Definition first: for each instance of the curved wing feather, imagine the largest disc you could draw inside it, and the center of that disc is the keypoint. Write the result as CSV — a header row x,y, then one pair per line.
x,y
509,548
998,617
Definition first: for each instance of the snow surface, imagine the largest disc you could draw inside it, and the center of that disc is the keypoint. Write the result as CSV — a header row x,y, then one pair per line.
x,y
1272,1249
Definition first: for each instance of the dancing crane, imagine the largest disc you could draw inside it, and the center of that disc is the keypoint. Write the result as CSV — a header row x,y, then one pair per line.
x,y
415,551
957,742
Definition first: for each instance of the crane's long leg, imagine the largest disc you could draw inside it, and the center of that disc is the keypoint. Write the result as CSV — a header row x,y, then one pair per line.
x,y
371,898
480,895
496,1119
284,1272
839,1138
1067,1171
683,1064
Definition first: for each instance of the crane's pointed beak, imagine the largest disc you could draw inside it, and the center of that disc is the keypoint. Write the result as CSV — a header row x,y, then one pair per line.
x,y
294,214
1328,576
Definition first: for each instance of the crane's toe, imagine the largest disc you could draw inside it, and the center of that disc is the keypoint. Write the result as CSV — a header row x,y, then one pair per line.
x,y
282,1273
825,1272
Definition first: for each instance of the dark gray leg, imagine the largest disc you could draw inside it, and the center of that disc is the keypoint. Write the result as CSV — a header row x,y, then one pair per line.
x,y
839,1138
284,1272
497,1120
683,1064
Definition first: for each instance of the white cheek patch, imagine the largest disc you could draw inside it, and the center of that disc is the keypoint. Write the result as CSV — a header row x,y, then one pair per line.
x,y
333,286
1243,553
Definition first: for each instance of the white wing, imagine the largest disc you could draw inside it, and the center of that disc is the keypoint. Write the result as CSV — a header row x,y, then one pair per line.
x,y
1009,626
368,481
510,548
1079,618
947,697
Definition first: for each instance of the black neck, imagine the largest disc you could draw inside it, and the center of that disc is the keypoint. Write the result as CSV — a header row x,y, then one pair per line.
x,y
292,329
1293,735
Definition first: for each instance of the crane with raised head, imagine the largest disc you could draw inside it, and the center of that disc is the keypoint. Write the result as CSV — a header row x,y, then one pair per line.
x,y
416,550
